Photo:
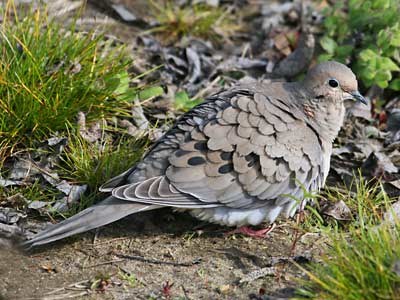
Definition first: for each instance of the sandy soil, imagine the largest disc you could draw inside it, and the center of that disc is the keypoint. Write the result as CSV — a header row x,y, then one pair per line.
x,y
157,249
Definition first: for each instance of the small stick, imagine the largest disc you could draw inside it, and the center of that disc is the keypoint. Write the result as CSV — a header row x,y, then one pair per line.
x,y
63,288
65,296
108,242
185,293
205,90
105,263
159,262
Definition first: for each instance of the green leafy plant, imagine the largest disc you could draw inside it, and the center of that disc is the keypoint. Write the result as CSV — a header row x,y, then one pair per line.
x,y
184,102
49,73
129,278
365,33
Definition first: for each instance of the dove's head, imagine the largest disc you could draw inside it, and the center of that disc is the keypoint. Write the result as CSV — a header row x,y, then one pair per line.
x,y
327,85
332,81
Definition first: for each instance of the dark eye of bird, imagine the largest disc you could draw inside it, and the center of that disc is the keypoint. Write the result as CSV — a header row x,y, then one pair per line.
x,y
333,83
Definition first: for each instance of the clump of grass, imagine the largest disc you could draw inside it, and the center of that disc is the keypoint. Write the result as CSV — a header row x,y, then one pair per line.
x,y
48,74
94,163
359,264
34,191
366,200
197,20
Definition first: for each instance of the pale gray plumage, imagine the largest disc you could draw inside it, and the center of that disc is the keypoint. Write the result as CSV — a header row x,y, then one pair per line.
x,y
242,157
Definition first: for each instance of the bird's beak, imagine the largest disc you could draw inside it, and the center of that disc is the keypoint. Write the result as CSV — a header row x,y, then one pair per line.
x,y
358,97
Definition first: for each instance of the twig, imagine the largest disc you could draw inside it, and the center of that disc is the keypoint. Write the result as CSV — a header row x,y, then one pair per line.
x,y
108,242
66,296
96,234
201,93
64,288
105,263
245,50
185,293
297,234
160,262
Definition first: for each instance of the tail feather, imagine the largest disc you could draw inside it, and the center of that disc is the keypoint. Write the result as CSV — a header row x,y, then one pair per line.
x,y
105,212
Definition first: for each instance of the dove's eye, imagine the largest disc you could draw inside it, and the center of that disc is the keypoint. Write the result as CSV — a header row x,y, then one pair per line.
x,y
333,83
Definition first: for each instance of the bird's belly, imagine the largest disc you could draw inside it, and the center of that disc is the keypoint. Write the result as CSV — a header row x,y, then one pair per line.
x,y
240,217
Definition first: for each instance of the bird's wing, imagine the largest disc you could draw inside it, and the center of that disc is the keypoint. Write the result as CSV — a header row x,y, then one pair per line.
x,y
238,150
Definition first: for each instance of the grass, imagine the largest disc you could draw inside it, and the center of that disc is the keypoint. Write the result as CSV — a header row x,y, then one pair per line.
x,y
49,73
34,191
197,20
81,163
359,261
365,199
358,265
95,163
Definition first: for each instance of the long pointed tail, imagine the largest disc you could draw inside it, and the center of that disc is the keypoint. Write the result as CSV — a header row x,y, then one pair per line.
x,y
105,212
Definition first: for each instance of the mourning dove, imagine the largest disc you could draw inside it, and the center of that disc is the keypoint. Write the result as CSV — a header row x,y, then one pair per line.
x,y
242,157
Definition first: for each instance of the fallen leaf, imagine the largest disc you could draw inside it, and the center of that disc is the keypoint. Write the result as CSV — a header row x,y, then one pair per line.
x,y
10,216
392,215
49,269
338,210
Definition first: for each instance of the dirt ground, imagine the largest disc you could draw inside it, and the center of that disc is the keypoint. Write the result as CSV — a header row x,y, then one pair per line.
x,y
165,256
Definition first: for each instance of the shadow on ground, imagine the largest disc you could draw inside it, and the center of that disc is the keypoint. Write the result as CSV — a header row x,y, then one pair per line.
x,y
154,255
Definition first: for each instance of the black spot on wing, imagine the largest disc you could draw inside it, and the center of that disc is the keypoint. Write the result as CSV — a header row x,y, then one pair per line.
x,y
200,146
251,159
181,152
195,161
226,155
225,169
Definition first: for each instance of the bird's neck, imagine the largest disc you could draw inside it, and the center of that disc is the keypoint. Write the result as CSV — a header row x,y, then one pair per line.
x,y
323,115
326,117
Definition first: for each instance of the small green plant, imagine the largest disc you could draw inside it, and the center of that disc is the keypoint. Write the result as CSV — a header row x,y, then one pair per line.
x,y
184,103
360,260
35,191
197,20
49,73
100,282
358,266
129,278
95,163
365,33
365,199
